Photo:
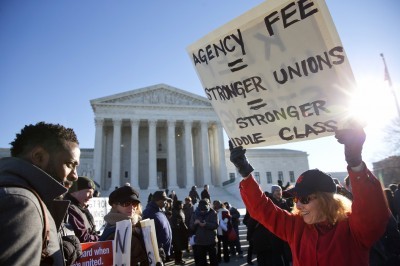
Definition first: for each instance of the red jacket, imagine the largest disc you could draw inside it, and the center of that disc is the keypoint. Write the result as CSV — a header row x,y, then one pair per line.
x,y
347,243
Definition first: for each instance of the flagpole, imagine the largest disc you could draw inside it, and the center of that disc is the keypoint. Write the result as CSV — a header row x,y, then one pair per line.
x,y
387,77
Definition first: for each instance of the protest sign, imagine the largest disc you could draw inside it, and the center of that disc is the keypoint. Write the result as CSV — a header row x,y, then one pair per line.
x,y
122,243
276,74
150,240
96,253
115,252
99,207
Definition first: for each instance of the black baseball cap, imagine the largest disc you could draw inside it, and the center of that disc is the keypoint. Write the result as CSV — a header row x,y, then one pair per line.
x,y
160,195
312,181
123,194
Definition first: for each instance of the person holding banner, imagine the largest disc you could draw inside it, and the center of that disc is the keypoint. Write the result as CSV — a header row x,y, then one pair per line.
x,y
154,210
125,205
324,227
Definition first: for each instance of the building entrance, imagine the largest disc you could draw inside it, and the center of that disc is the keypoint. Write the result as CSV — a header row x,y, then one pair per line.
x,y
162,173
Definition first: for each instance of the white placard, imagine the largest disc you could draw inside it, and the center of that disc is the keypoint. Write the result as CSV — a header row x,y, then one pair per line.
x,y
122,243
150,240
99,207
276,74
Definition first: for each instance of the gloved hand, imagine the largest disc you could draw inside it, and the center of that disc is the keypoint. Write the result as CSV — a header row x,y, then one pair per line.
x,y
353,140
72,248
238,158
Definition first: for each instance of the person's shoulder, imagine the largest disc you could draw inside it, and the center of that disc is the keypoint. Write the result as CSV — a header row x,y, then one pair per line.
x,y
18,195
108,233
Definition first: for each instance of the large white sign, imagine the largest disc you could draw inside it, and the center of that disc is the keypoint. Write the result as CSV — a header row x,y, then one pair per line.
x,y
150,241
276,74
99,207
122,243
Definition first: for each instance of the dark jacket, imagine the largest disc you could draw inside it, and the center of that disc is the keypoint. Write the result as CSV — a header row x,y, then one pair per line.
x,y
206,235
81,221
161,223
188,210
235,215
205,195
138,250
179,230
21,217
194,195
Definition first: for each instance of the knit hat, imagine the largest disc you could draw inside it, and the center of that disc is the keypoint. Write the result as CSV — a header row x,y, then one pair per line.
x,y
123,194
312,181
82,183
274,188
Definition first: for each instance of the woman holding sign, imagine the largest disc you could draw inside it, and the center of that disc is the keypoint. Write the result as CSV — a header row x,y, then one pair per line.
x,y
324,228
125,205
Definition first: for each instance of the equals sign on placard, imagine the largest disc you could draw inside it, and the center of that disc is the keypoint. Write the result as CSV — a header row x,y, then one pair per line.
x,y
237,65
256,104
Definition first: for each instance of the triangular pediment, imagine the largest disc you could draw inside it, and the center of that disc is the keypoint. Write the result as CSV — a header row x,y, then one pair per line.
x,y
160,94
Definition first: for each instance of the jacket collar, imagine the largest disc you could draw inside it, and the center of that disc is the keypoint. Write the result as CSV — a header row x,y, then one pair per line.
x,y
47,187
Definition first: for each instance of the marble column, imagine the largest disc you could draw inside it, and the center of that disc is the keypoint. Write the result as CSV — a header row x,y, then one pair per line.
x,y
116,154
205,153
172,182
135,153
98,151
188,154
152,155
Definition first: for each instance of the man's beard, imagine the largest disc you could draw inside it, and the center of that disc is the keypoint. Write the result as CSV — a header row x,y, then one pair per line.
x,y
50,170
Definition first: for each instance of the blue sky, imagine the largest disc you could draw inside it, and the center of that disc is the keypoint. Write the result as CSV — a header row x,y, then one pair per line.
x,y
55,56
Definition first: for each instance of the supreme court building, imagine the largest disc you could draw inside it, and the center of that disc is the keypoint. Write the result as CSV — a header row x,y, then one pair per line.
x,y
157,137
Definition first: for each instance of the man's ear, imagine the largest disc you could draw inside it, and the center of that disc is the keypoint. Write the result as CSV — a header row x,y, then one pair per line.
x,y
39,157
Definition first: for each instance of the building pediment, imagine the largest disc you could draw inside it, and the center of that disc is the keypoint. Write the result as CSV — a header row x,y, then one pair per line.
x,y
156,95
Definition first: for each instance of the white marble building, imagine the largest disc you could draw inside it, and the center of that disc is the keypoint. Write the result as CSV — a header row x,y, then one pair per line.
x,y
162,137
157,137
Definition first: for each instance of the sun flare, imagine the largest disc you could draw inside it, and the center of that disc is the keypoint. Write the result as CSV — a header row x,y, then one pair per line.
x,y
373,103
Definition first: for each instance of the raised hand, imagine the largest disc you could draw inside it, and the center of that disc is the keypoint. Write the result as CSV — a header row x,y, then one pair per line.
x,y
353,140
238,158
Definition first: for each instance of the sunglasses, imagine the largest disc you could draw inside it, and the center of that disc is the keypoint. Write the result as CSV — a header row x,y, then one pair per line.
x,y
128,203
303,200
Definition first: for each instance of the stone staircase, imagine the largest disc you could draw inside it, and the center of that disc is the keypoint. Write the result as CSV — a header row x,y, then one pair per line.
x,y
243,233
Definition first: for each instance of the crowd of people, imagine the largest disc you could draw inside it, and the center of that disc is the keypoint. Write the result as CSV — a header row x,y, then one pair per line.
x,y
315,222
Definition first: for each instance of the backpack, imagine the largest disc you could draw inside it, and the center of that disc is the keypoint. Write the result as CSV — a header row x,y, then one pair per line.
x,y
45,257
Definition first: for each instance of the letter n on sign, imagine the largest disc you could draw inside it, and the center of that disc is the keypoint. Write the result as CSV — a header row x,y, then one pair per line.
x,y
122,243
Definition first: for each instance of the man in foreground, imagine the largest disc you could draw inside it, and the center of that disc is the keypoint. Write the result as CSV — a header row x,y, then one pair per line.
x,y
43,157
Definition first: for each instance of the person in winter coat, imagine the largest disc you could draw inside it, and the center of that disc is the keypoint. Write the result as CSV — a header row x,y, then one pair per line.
x,y
154,210
79,216
268,247
276,197
43,157
205,193
324,228
125,205
204,224
179,232
194,195
248,221
235,218
224,220
188,210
